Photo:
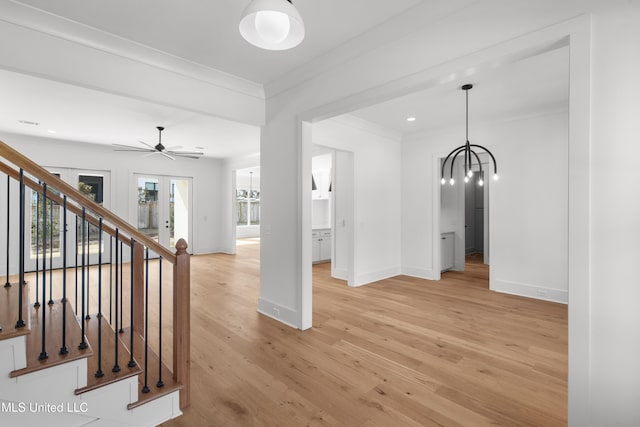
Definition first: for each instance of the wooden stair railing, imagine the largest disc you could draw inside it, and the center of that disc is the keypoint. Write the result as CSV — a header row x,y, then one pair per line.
x,y
122,231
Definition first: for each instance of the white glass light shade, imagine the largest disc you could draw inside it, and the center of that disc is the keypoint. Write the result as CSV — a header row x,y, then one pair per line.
x,y
272,24
470,173
480,182
442,181
466,179
495,177
452,181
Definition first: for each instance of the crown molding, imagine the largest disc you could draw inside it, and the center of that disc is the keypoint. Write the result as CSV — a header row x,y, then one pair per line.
x,y
26,16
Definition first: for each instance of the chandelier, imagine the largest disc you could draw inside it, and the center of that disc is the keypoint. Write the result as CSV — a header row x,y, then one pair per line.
x,y
470,155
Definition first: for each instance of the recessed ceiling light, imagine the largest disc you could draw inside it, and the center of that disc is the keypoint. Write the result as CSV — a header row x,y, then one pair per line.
x,y
51,131
411,119
28,122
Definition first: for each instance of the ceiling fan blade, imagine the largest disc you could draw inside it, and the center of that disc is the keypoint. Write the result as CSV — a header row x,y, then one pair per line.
x,y
166,155
186,153
186,156
151,154
148,145
122,147
175,147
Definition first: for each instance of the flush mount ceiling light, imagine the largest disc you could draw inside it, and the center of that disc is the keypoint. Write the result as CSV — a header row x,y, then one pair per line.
x,y
469,154
272,24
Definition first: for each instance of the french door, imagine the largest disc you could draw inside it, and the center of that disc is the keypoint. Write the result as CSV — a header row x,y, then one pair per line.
x,y
163,208
45,239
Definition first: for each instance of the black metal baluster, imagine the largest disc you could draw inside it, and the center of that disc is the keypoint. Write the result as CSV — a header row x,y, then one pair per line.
x,y
145,388
75,307
110,277
131,363
37,303
160,383
63,347
20,323
43,353
99,372
8,283
88,316
83,344
116,366
50,254
121,290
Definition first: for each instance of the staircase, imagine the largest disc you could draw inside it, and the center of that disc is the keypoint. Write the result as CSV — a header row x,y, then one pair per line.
x,y
98,334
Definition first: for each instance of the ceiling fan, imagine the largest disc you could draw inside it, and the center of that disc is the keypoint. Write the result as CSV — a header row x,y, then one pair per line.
x,y
160,149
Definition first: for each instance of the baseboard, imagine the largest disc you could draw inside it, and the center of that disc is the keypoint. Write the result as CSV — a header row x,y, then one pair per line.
x,y
365,279
340,273
419,272
531,291
277,312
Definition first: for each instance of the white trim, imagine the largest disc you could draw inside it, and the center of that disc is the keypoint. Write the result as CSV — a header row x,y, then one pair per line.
x,y
419,272
530,291
278,312
374,276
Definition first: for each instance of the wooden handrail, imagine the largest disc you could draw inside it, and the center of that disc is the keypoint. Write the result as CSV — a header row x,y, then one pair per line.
x,y
53,181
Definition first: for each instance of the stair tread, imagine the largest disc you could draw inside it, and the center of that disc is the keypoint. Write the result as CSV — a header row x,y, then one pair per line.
x,y
9,312
53,338
108,356
170,384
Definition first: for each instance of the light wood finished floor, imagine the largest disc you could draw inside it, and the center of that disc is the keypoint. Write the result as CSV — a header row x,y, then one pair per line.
x,y
400,352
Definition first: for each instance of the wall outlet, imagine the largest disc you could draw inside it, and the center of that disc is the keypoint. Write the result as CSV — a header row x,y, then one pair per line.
x,y
276,312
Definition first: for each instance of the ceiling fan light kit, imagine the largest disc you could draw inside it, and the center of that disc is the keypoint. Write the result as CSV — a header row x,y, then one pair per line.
x,y
272,24
469,154
169,153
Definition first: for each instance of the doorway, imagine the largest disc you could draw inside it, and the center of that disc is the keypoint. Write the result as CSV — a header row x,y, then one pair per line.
x,y
163,208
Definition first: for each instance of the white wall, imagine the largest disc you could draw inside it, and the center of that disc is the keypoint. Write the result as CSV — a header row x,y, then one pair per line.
x,y
615,219
528,205
376,194
206,173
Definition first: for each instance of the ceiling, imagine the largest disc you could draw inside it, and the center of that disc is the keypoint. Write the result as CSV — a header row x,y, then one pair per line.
x,y
85,115
205,32
539,83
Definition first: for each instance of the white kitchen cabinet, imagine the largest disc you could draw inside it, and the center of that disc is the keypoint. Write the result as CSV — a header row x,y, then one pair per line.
x,y
446,251
321,245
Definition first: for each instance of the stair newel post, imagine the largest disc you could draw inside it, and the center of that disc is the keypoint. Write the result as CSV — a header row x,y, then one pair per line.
x,y
50,302
160,383
20,323
8,282
99,372
37,303
182,322
88,251
116,366
43,353
132,300
63,347
83,322
145,388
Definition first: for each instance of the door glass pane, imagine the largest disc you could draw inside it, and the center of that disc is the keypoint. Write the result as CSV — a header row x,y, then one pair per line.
x,y
53,232
91,186
148,207
178,210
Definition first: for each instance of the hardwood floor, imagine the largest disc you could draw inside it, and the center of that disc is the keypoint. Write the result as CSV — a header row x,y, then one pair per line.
x,y
399,352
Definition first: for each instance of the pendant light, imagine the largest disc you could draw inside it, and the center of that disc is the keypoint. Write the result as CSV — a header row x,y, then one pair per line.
x,y
272,24
469,154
